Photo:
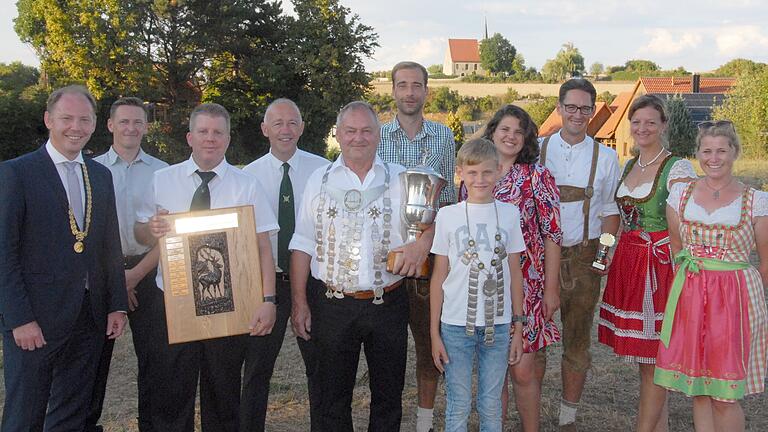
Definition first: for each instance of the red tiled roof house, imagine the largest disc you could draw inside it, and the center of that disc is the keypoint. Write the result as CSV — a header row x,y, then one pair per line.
x,y
463,58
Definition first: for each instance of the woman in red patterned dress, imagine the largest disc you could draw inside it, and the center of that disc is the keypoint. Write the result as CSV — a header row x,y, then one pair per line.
x,y
531,187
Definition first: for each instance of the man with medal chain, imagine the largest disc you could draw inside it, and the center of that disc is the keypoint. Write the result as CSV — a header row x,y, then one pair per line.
x,y
348,221
62,286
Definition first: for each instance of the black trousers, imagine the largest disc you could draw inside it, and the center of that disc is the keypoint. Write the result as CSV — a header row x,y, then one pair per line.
x,y
382,330
175,371
261,354
49,388
147,295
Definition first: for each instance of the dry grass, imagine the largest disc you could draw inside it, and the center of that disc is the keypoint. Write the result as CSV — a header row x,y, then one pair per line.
x,y
752,172
609,402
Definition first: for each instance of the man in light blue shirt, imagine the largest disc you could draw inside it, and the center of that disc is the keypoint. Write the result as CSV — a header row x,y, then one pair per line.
x,y
132,172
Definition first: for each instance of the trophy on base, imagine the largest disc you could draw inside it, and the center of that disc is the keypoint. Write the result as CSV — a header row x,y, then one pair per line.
x,y
607,240
420,192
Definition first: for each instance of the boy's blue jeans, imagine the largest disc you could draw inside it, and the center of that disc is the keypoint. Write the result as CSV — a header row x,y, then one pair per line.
x,y
491,368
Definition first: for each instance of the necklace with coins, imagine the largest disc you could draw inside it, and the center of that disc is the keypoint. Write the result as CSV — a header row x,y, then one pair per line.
x,y
342,273
80,235
493,286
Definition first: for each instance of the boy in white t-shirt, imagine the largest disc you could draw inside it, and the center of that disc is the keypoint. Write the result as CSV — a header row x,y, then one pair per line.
x,y
476,291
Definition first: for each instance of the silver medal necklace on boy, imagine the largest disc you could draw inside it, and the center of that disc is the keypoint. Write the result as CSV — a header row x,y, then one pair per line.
x,y
353,201
493,287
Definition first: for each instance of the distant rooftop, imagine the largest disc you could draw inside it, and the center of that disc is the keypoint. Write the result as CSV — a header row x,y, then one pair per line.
x,y
464,50
672,85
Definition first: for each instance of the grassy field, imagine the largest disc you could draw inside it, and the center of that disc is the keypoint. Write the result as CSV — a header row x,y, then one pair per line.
x,y
484,89
609,402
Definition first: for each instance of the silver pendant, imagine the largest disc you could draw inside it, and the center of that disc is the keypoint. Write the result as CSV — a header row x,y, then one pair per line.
x,y
353,200
378,293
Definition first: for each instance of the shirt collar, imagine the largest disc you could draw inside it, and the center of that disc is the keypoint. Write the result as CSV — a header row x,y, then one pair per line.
x,y
277,164
59,158
576,146
339,163
113,157
190,166
426,128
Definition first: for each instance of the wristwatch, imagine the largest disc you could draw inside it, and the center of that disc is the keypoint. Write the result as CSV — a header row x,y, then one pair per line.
x,y
270,299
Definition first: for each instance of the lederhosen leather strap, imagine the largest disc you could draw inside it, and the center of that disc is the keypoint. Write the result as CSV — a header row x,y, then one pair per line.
x,y
573,193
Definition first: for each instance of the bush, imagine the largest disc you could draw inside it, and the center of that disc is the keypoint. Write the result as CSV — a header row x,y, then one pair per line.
x,y
540,110
442,99
465,112
511,96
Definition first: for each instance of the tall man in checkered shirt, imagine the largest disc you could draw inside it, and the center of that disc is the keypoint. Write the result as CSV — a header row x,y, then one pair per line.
x,y
406,140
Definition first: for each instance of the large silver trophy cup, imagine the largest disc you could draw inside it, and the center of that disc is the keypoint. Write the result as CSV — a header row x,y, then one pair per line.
x,y
420,188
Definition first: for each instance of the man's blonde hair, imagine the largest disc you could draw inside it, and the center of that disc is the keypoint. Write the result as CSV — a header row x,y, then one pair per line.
x,y
477,151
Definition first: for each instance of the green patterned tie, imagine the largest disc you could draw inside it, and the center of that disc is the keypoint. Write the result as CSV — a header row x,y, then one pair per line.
x,y
286,218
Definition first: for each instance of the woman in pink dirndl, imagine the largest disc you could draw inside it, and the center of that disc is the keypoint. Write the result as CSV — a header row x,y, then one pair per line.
x,y
640,273
715,331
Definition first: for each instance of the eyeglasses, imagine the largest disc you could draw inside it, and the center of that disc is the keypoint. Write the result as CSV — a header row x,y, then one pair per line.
x,y
571,109
719,123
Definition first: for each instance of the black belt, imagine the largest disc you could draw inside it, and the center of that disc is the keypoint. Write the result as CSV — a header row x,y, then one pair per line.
x,y
283,276
130,261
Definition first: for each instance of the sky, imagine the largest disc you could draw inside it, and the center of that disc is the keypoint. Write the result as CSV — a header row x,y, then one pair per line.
x,y
698,35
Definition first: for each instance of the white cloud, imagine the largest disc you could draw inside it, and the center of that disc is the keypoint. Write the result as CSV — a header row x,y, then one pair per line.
x,y
741,40
426,51
666,43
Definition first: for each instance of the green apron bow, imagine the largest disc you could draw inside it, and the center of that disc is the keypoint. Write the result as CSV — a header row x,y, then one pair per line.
x,y
688,263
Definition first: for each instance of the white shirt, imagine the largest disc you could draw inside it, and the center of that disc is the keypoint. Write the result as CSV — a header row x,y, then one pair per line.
x,y
132,181
344,178
451,240
59,160
173,187
570,165
268,171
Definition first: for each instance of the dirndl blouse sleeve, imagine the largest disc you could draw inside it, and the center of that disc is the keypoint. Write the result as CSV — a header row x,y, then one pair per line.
x,y
547,199
760,204
675,195
681,169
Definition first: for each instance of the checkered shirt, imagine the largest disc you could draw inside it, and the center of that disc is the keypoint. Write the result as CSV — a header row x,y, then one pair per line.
x,y
395,147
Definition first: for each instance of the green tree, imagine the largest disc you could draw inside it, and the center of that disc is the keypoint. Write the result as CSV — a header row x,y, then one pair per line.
x,y
567,63
596,69
454,123
747,107
497,54
541,109
738,67
681,133
435,69
442,99
327,46
177,53
22,103
511,96
15,77
641,66
606,97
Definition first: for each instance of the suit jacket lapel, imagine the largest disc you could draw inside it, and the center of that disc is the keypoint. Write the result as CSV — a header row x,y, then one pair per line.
x,y
51,176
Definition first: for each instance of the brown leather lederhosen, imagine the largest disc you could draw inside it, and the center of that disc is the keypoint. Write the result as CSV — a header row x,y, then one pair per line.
x,y
573,193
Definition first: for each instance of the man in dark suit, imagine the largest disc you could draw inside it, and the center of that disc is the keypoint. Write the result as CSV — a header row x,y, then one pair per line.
x,y
62,285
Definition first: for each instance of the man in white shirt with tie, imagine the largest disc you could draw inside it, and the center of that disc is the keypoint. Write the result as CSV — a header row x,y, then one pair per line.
x,y
205,181
586,174
283,175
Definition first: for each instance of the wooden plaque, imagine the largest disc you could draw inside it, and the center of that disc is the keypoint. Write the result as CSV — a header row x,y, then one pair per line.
x,y
211,273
